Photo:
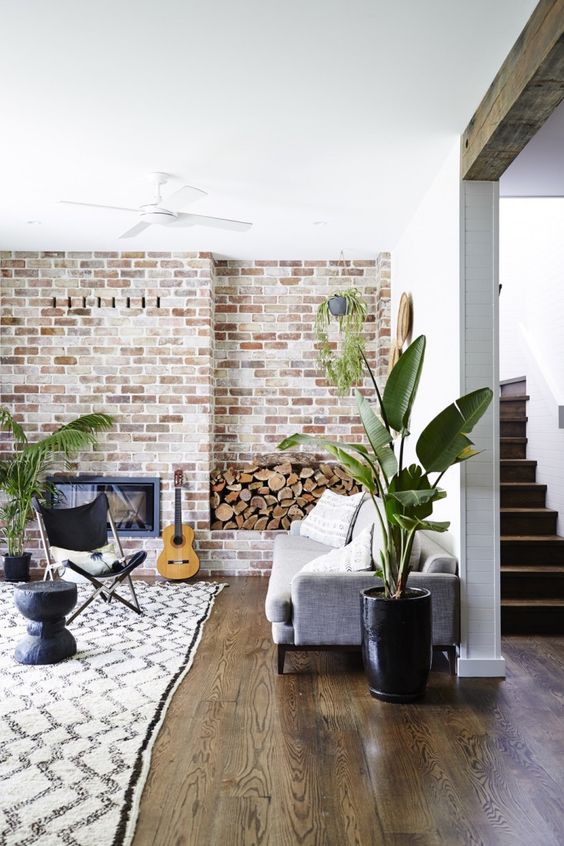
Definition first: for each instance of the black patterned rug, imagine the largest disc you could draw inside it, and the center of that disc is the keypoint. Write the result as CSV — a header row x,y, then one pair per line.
x,y
76,737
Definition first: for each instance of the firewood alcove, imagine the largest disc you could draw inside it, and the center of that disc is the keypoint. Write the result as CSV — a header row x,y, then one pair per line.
x,y
263,496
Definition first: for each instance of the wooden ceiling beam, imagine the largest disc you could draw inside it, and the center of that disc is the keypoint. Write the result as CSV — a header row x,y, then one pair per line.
x,y
524,93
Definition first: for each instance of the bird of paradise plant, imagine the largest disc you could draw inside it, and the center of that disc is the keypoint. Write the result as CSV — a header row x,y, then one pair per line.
x,y
403,496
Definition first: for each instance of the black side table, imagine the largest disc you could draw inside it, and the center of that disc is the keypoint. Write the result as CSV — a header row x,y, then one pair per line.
x,y
45,604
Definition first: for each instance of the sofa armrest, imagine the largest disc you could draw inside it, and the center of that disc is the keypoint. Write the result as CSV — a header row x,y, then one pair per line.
x,y
326,606
440,564
295,527
434,557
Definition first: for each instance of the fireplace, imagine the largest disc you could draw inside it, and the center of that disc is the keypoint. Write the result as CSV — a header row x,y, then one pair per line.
x,y
134,502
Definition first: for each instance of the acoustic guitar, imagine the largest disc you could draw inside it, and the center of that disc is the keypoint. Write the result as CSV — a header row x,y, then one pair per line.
x,y
178,559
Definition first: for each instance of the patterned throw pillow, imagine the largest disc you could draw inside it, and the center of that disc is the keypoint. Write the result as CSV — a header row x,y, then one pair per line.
x,y
97,563
352,558
329,521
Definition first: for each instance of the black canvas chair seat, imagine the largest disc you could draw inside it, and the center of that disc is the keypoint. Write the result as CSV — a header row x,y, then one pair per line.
x,y
84,528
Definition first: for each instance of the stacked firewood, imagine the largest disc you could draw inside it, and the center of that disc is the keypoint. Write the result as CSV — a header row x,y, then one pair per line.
x,y
259,498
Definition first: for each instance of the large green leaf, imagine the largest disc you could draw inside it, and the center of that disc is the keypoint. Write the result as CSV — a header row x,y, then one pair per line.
x,y
411,499
378,436
410,523
402,383
8,424
359,471
444,441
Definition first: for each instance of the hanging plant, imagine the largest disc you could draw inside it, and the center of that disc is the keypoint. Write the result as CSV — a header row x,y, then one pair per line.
x,y
343,362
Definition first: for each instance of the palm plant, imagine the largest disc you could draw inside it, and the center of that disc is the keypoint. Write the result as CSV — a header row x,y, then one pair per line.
x,y
342,363
403,496
23,474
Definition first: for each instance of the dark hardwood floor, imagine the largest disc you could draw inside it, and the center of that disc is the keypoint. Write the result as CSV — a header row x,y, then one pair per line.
x,y
249,757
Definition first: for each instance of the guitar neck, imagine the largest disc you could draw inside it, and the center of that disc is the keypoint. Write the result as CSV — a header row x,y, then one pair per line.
x,y
178,512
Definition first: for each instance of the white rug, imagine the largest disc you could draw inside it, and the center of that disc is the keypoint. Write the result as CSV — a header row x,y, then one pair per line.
x,y
76,737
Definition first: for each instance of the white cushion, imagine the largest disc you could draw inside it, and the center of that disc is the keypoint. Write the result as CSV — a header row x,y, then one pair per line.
x,y
97,562
328,522
353,557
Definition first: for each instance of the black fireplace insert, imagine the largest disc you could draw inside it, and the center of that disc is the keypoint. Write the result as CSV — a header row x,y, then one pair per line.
x,y
134,501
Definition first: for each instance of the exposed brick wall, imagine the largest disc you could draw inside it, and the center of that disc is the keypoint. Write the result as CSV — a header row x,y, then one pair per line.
x,y
237,336
151,368
268,383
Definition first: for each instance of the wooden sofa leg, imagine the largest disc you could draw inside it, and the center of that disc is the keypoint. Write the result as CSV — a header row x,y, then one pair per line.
x,y
451,655
281,656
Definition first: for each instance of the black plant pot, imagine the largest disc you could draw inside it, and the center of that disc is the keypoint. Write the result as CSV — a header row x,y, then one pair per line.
x,y
16,567
337,306
397,647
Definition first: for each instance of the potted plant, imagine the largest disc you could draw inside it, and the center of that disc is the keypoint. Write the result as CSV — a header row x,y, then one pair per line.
x,y
396,619
342,363
22,477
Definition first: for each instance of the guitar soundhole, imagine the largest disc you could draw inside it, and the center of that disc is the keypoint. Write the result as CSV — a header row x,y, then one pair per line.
x,y
178,540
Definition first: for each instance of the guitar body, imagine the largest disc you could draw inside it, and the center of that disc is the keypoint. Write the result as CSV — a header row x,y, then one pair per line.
x,y
178,559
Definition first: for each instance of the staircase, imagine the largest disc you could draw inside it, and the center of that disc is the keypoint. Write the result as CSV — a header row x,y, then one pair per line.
x,y
532,554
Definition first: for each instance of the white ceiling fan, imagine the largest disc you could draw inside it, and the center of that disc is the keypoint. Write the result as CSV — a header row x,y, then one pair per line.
x,y
156,213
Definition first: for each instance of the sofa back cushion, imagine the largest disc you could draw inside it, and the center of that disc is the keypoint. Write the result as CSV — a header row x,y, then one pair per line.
x,y
329,521
366,515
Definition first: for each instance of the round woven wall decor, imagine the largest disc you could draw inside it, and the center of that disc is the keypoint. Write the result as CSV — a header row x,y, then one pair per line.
x,y
405,318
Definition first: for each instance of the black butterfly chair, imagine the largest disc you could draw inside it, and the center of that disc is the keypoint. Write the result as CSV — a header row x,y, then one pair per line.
x,y
85,529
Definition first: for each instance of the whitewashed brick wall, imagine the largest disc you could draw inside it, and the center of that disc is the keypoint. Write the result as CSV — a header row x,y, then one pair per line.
x,y
232,342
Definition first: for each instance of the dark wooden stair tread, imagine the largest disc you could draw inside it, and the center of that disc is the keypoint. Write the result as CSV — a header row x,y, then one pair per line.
x,y
514,397
526,509
514,440
521,603
522,485
556,539
533,569
518,461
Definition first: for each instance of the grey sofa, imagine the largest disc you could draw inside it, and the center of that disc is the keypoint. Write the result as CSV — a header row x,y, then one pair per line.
x,y
314,611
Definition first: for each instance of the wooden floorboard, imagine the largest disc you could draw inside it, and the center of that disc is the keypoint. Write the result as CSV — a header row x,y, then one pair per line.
x,y
250,758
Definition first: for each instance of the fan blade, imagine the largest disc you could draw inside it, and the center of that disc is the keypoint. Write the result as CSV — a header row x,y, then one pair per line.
x,y
95,206
135,230
183,197
216,222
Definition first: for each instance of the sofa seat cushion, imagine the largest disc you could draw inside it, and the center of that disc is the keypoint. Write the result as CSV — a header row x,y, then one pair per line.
x,y
290,554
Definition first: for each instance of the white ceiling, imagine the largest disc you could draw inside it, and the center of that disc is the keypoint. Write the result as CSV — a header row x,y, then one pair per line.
x,y
286,113
538,170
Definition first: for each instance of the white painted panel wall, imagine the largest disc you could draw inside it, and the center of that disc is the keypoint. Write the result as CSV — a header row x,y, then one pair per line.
x,y
481,630
426,264
531,327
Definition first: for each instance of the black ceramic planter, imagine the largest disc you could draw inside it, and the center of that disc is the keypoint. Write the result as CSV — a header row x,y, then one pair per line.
x,y
397,646
337,306
16,567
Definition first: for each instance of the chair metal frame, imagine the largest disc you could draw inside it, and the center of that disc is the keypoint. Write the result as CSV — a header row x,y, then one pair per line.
x,y
107,592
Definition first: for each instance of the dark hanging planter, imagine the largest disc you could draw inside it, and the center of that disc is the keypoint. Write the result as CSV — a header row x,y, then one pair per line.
x,y
16,567
397,647
337,306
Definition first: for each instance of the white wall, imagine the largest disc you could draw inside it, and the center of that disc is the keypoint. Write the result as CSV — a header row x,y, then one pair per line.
x,y
426,264
531,327
480,651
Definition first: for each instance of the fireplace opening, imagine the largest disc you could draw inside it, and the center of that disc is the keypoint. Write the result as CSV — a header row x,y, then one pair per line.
x,y
134,502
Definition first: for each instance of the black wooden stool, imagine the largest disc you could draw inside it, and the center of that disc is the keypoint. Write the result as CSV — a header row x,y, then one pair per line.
x,y
45,604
